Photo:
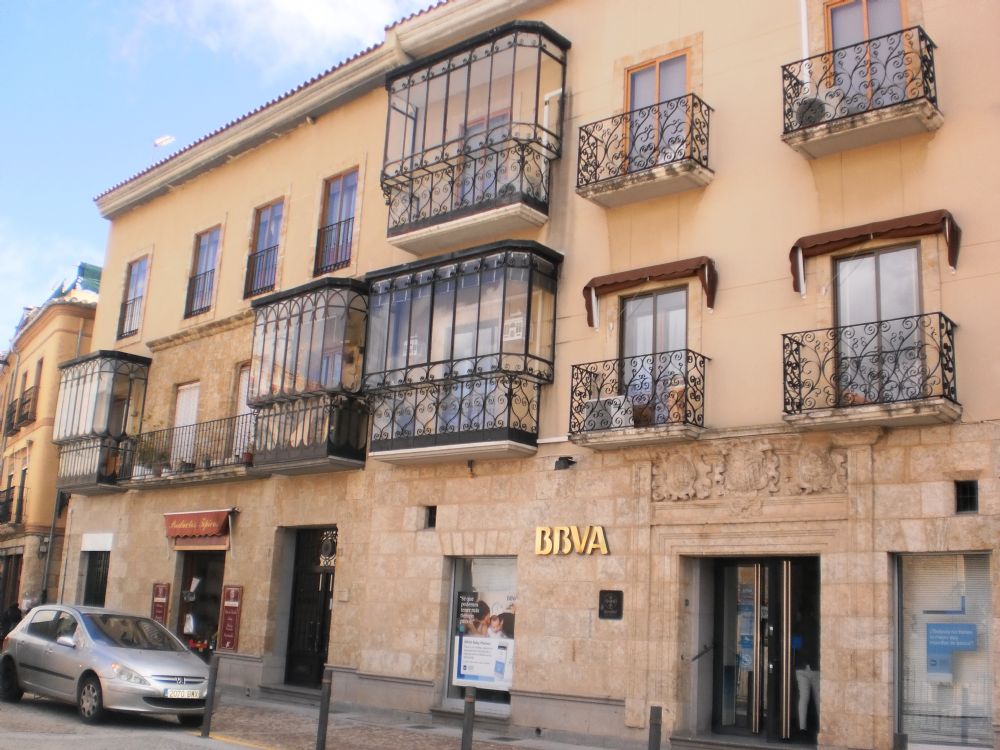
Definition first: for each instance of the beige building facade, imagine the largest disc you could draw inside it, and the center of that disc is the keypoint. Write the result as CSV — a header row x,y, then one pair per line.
x,y
31,529
598,358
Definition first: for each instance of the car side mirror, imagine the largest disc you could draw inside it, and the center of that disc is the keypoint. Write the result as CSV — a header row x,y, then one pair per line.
x,y
66,640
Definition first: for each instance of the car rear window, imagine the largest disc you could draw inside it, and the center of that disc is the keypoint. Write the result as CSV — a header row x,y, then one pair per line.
x,y
126,631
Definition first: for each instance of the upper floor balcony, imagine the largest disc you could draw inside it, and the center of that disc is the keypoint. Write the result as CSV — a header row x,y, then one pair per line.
x,y
888,372
101,398
638,400
880,89
12,504
10,423
645,153
470,136
27,406
458,349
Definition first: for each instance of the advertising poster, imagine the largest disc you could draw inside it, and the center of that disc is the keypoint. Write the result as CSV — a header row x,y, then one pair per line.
x,y
229,627
484,639
158,606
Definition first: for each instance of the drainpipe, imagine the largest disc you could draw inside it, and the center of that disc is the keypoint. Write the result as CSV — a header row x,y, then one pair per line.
x,y
56,512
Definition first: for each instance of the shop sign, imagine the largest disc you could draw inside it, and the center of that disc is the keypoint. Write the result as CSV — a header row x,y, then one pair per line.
x,y
484,640
562,540
158,607
203,529
943,639
229,620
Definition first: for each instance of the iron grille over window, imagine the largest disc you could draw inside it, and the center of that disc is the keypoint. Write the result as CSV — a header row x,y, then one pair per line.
x,y
309,340
474,126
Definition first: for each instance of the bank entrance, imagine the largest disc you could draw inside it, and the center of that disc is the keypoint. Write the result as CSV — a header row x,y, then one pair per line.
x,y
767,648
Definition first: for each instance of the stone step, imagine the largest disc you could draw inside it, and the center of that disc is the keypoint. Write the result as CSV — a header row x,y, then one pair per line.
x,y
291,694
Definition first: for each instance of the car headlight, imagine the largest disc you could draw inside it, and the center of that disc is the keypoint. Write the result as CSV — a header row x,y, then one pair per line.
x,y
128,675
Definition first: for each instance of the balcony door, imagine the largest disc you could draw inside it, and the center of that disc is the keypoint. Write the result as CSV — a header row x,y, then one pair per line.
x,y
862,71
185,417
879,338
657,134
654,337
243,430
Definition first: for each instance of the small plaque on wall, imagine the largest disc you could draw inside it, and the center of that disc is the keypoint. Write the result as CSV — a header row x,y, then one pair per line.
x,y
610,605
160,602
229,625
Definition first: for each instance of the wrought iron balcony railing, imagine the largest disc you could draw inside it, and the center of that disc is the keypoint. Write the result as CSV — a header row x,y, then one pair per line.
x,y
311,429
651,390
665,133
199,294
10,423
26,410
475,180
476,409
262,269
129,316
93,462
204,445
883,362
333,246
877,73
7,496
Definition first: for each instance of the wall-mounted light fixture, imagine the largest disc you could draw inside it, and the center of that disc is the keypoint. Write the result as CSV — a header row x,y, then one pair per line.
x,y
564,462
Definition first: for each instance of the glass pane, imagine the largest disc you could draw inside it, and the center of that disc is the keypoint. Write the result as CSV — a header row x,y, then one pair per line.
x,y
479,91
399,326
354,342
333,193
856,300
500,94
671,321
414,126
375,352
466,316
542,330
515,310
673,78
884,17
331,358
442,329
348,196
490,306
420,320
398,115
457,84
847,25
898,293
434,121
637,332
642,88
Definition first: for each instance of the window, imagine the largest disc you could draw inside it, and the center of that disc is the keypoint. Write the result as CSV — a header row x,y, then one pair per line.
x,y
863,72
185,423
333,245
967,496
654,356
262,265
201,283
95,585
135,288
879,337
658,121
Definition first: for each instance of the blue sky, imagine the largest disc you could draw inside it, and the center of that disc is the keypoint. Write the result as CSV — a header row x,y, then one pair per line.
x,y
88,85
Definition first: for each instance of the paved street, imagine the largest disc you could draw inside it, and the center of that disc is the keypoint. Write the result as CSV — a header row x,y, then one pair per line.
x,y
40,724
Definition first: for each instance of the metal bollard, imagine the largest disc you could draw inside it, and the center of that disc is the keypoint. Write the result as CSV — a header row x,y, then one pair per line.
x,y
468,717
324,708
213,677
655,726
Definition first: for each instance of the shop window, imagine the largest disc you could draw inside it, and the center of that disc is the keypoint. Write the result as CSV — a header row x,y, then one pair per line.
x,y
484,605
262,264
202,281
130,315
945,654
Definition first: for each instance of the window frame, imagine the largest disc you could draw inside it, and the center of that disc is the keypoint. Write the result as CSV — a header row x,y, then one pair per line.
x,y
320,268
190,310
126,314
250,289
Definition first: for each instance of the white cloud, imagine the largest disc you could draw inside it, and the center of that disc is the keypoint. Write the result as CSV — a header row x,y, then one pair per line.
x,y
274,35
39,262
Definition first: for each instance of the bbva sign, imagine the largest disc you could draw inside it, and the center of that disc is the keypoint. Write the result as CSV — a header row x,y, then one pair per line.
x,y
561,540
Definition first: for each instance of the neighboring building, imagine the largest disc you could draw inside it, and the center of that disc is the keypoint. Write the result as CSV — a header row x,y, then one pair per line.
x,y
31,533
476,327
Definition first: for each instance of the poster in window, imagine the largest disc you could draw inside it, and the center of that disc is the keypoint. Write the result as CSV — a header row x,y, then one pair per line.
x,y
484,639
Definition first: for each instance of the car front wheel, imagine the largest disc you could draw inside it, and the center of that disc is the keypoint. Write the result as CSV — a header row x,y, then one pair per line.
x,y
10,691
90,700
190,720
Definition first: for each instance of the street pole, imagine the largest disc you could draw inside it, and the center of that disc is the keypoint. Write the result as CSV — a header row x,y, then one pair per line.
x,y
324,708
213,677
468,718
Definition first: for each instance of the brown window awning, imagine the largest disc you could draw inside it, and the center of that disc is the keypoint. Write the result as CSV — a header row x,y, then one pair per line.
x,y
702,267
202,529
917,225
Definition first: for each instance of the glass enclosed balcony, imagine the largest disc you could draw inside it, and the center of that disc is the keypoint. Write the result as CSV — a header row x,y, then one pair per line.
x,y
470,135
457,350
101,398
879,89
305,377
887,372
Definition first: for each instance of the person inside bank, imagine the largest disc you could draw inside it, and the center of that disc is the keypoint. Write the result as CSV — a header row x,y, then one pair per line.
x,y
805,657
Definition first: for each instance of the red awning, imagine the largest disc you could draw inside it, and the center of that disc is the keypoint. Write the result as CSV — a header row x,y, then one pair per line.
x,y
702,267
917,225
202,523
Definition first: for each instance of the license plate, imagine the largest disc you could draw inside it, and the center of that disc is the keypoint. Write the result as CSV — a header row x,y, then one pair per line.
x,y
179,693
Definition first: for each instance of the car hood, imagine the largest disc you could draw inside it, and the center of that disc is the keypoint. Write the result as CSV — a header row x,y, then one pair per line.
x,y
158,662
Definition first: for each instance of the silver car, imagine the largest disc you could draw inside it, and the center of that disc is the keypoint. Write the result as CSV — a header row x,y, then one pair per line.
x,y
102,660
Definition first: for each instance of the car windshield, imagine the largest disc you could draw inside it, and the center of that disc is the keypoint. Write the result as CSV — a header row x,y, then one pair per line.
x,y
127,631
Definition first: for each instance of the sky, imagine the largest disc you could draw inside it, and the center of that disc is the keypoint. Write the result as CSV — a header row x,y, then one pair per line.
x,y
89,85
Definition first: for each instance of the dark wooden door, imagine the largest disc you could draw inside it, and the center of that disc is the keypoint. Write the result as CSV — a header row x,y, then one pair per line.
x,y
312,606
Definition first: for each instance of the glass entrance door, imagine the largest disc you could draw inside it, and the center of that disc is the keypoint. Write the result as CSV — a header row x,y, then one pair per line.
x,y
767,648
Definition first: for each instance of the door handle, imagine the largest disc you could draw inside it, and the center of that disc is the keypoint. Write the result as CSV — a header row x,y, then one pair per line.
x,y
770,667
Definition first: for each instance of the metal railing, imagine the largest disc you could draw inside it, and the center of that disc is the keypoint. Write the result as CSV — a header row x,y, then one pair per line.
x,y
12,504
873,74
885,361
665,133
204,445
433,413
199,294
477,179
310,428
333,246
129,316
650,390
262,269
26,410
10,423
92,461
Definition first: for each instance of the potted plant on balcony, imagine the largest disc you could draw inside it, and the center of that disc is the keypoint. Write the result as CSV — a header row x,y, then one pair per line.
x,y
248,451
151,455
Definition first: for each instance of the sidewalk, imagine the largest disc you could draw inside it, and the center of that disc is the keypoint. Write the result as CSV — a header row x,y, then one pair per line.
x,y
273,725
